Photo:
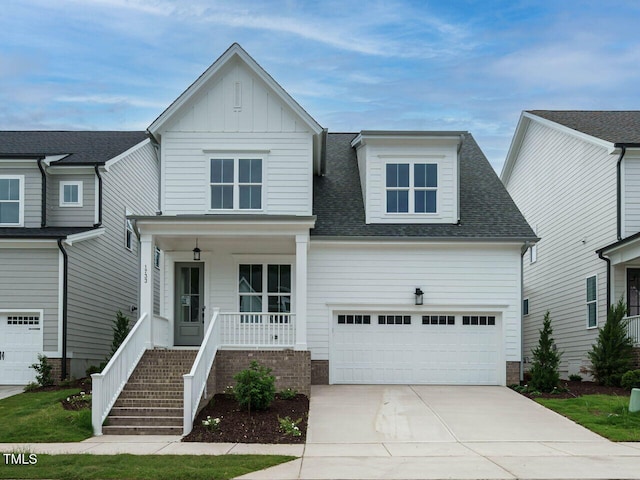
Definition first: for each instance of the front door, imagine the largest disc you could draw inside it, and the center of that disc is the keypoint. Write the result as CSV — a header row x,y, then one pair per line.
x,y
189,304
633,292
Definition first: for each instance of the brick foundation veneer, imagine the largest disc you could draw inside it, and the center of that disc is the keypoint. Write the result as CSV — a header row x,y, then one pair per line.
x,y
56,371
292,369
513,373
319,372
636,358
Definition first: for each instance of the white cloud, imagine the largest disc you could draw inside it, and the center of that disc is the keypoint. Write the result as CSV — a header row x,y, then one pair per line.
x,y
111,100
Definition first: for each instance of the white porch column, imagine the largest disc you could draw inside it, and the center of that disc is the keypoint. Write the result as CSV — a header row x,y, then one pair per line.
x,y
302,245
146,281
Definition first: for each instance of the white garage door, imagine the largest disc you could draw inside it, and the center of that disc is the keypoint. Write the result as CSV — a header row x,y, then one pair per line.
x,y
20,343
442,349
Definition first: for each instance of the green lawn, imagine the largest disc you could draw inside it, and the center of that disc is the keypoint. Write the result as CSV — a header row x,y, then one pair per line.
x,y
606,415
39,417
138,467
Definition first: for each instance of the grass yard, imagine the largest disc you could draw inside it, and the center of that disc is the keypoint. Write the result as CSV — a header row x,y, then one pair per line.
x,y
606,415
139,467
39,417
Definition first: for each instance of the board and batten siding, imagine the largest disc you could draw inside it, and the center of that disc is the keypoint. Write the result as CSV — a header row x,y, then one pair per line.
x,y
83,216
29,281
566,189
384,277
631,194
103,274
32,190
287,169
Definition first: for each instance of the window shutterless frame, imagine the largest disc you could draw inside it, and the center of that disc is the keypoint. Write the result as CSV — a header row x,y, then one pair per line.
x,y
71,194
411,187
236,183
592,301
12,200
128,232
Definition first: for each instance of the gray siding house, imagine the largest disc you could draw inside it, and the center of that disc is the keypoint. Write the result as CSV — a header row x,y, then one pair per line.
x,y
68,257
575,177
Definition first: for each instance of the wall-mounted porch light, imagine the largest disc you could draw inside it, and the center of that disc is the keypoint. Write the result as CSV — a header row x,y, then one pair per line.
x,y
196,252
419,296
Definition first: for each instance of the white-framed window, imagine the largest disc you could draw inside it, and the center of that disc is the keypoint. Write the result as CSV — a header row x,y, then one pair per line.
x,y
411,187
592,301
71,194
156,257
12,200
533,253
236,183
525,306
128,231
264,288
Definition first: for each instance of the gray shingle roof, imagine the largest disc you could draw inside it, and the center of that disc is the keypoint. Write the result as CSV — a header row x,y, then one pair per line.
x,y
612,126
83,147
486,209
43,233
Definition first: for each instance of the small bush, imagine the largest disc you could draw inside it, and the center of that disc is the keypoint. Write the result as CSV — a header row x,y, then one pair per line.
x,y
544,372
31,386
631,379
255,387
120,331
290,427
574,377
212,424
43,371
95,369
288,394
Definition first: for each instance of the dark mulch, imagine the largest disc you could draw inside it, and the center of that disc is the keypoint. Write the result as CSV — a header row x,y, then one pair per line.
x,y
75,402
238,426
578,389
83,384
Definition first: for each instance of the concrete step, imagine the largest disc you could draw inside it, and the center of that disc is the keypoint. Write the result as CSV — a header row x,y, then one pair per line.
x,y
122,430
159,393
149,402
146,412
143,421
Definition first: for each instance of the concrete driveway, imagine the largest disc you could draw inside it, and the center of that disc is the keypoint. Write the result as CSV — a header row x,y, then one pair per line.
x,y
10,390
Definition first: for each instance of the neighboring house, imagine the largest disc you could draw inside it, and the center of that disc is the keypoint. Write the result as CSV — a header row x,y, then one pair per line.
x,y
378,256
68,258
575,175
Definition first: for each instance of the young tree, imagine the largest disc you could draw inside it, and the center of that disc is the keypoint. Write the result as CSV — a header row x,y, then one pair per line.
x,y
611,355
546,360
120,331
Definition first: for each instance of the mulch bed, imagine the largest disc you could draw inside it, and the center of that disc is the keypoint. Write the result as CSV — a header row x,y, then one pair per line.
x,y
83,384
578,389
240,426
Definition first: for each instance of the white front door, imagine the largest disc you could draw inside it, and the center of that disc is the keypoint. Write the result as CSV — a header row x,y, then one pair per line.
x,y
20,343
443,349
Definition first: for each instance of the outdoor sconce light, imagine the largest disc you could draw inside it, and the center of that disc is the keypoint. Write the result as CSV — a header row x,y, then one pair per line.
x,y
196,252
419,296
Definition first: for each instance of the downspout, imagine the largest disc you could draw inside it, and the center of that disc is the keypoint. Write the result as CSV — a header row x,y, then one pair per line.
x,y
43,193
97,169
65,279
608,260
156,147
523,251
623,150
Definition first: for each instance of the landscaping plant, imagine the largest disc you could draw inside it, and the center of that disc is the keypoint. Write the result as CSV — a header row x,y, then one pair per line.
x,y
120,331
290,427
255,387
43,371
611,355
546,360
631,379
288,393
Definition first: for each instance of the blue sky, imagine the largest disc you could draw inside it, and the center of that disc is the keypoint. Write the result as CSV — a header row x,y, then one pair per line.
x,y
353,65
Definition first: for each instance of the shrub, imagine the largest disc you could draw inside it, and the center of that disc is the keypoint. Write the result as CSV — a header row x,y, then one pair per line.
x,y
255,387
120,331
212,424
290,427
43,371
31,386
288,394
574,377
546,360
95,369
631,379
611,355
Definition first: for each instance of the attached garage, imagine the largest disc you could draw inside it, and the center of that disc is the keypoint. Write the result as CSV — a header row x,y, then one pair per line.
x,y
405,348
20,343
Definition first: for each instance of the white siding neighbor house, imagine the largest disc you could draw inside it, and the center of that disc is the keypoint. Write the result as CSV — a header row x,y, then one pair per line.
x,y
365,257
66,263
573,174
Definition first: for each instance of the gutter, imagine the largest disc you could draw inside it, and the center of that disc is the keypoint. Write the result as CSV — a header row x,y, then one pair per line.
x,y
65,284
43,193
97,170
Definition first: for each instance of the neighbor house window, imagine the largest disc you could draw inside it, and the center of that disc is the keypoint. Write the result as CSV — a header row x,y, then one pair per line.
x,y
411,187
592,302
264,288
236,183
70,194
156,257
525,306
11,200
128,235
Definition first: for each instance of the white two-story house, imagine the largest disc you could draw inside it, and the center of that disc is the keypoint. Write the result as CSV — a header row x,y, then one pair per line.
x,y
574,175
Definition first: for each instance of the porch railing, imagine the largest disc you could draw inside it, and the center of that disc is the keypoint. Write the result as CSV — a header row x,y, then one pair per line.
x,y
633,328
106,386
195,382
160,331
257,330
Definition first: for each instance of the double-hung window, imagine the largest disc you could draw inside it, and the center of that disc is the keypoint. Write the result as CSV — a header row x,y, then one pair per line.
x,y
11,200
264,289
70,194
236,183
411,187
592,302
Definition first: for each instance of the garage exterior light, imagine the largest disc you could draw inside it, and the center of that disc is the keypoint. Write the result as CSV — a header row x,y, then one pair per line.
x,y
419,296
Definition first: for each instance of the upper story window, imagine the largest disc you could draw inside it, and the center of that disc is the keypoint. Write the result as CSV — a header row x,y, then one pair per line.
x,y
70,194
156,257
411,187
12,200
592,302
236,183
128,233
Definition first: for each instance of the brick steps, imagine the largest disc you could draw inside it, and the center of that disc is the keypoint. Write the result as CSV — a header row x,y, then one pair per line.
x,y
151,402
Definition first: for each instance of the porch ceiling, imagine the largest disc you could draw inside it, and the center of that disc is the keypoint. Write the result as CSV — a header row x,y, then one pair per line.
x,y
626,251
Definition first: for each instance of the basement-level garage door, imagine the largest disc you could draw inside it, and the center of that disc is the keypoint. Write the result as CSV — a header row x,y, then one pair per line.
x,y
20,343
441,349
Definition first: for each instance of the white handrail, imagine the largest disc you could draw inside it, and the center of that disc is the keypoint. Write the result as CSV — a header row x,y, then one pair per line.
x,y
633,328
195,382
106,386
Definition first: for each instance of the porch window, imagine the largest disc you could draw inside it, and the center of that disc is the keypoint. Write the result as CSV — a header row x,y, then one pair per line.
x,y
592,302
11,200
253,297
633,292
411,187
236,183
